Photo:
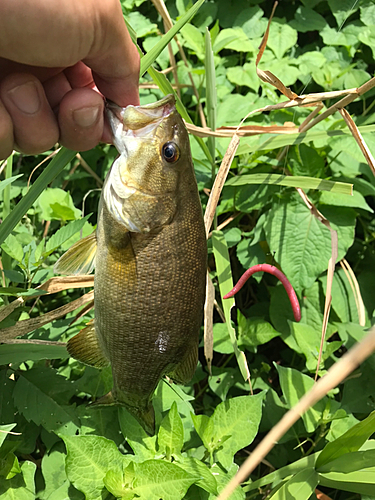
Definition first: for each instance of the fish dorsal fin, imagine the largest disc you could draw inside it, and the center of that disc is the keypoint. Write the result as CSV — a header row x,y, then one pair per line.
x,y
86,348
184,371
79,259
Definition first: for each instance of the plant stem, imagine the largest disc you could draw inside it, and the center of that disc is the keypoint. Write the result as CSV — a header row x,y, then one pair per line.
x,y
6,259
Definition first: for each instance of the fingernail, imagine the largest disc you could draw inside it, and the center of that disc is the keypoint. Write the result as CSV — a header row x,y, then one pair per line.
x,y
26,98
86,117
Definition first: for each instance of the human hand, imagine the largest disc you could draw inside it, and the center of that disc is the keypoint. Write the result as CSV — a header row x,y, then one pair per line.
x,y
54,58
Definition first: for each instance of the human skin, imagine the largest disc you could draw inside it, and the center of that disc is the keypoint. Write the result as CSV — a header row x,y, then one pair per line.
x,y
57,61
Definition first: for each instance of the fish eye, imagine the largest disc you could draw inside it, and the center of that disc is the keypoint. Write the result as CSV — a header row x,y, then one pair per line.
x,y
170,152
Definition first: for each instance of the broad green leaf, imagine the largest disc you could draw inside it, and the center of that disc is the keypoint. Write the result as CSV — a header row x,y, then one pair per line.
x,y
53,469
301,243
194,40
351,441
367,36
294,385
100,422
58,204
368,14
197,468
13,248
4,431
342,10
359,482
171,433
350,462
306,19
15,353
157,479
87,462
235,425
151,56
252,22
141,25
308,340
244,76
21,486
299,487
226,284
233,39
64,233
204,425
254,331
9,466
53,169
119,482
297,181
343,301
281,38
8,181
223,477
348,36
32,393
250,255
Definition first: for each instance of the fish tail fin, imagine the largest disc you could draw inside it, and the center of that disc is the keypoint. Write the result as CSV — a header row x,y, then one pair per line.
x,y
86,348
145,416
79,259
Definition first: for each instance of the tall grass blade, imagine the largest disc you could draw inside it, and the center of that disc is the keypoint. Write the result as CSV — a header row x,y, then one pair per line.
x,y
59,162
151,56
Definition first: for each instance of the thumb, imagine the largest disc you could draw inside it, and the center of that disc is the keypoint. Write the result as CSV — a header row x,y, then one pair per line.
x,y
114,60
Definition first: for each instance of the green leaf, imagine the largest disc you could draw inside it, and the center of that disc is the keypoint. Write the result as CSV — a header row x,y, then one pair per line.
x,y
224,476
342,10
301,243
53,169
8,181
295,181
226,284
281,38
194,40
32,393
157,479
254,331
350,462
58,204
233,39
151,56
21,486
204,426
87,462
4,431
294,385
15,353
53,469
351,441
244,76
359,482
13,248
299,487
197,468
171,433
235,425
307,20
64,233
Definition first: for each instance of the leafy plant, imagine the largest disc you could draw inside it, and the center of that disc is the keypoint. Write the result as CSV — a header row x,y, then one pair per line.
x,y
51,446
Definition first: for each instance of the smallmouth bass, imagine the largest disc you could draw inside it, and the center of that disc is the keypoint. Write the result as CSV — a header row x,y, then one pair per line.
x,y
150,258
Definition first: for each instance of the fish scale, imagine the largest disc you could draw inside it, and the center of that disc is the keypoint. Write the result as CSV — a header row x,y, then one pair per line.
x,y
151,261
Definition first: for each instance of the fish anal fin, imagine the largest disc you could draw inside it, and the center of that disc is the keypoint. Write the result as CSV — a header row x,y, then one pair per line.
x,y
184,371
79,259
86,348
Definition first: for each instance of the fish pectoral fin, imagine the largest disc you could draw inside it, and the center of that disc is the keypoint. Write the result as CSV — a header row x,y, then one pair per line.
x,y
86,348
185,370
79,259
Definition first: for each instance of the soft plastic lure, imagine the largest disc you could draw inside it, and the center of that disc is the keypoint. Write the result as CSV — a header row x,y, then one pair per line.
x,y
267,268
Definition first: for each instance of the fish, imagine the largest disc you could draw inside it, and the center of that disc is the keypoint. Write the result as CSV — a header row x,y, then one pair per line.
x,y
149,251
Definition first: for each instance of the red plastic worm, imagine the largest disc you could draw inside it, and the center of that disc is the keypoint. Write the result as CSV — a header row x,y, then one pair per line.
x,y
267,268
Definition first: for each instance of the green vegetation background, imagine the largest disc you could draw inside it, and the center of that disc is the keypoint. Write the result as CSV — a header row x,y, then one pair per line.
x,y
207,429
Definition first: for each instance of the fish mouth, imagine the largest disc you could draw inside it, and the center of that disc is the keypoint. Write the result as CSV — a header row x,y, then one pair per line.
x,y
137,121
